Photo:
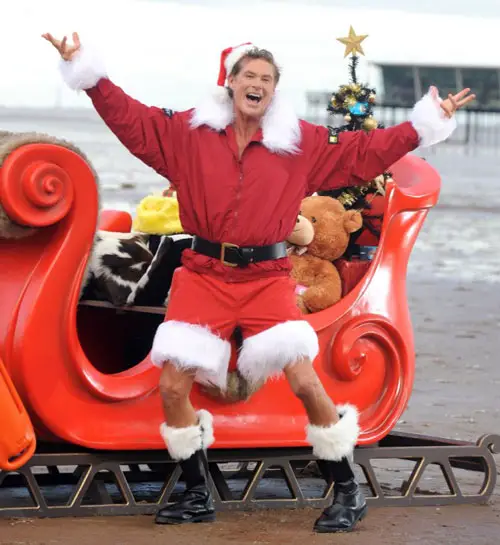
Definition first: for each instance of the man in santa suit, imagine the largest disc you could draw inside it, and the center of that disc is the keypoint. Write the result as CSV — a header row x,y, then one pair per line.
x,y
241,162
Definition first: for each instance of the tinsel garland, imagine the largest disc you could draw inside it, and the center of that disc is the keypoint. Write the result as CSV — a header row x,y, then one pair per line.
x,y
354,197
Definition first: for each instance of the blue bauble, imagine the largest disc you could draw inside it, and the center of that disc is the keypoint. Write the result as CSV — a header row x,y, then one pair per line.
x,y
360,108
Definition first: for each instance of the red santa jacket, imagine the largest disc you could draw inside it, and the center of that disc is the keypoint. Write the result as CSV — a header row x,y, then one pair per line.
x,y
253,200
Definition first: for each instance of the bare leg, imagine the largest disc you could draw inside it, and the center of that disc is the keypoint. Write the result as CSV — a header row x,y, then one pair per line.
x,y
333,440
187,433
175,387
306,385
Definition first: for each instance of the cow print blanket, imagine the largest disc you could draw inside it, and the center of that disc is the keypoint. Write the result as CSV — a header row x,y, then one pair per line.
x,y
133,268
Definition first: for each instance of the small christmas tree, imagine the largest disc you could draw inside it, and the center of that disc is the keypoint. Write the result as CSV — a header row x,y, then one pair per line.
x,y
355,102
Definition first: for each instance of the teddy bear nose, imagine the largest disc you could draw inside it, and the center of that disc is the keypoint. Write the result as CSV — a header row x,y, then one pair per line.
x,y
297,220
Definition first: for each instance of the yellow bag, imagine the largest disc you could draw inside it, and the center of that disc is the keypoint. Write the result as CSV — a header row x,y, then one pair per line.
x,y
158,215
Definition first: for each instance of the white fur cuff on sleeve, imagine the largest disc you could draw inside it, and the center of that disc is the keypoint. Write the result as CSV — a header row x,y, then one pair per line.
x,y
429,121
83,71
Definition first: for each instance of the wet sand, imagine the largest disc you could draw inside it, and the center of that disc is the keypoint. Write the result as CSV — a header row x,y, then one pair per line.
x,y
429,526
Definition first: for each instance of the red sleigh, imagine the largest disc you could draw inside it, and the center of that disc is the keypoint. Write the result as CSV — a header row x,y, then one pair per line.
x,y
66,358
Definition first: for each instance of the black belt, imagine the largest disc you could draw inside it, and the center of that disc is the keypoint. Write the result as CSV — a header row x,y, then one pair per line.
x,y
236,256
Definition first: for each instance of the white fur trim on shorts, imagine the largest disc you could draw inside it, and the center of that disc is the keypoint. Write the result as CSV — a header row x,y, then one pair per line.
x,y
191,346
269,352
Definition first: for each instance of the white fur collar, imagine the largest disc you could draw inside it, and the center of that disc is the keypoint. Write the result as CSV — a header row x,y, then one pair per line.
x,y
280,125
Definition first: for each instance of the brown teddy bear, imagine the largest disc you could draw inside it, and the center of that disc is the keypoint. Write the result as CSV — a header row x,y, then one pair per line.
x,y
316,246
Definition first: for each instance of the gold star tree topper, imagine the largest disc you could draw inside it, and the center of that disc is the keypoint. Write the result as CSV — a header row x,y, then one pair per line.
x,y
353,43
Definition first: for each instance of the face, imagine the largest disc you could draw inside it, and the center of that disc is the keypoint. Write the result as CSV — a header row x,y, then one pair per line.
x,y
253,87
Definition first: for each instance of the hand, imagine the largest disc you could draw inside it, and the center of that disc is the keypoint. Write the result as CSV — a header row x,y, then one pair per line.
x,y
454,102
66,51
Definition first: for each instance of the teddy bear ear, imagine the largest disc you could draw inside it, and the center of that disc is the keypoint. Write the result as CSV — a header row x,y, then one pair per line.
x,y
353,221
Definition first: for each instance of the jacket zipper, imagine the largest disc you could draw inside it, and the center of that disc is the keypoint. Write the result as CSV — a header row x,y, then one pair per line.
x,y
238,190
236,205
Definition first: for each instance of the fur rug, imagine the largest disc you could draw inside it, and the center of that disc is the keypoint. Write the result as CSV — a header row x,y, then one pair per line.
x,y
133,268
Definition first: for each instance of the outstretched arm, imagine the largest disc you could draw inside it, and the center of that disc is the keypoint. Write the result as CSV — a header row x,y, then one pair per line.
x,y
149,133
358,157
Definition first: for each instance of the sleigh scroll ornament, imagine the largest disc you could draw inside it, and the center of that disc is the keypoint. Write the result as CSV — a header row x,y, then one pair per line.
x,y
35,189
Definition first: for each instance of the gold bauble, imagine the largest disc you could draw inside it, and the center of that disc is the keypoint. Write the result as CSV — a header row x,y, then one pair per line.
x,y
371,98
333,102
349,102
369,124
347,117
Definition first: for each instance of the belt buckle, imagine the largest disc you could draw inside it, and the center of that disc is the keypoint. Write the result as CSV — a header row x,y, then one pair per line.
x,y
224,246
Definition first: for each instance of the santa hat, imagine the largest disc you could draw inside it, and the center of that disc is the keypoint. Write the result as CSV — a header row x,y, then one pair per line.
x,y
229,57
280,125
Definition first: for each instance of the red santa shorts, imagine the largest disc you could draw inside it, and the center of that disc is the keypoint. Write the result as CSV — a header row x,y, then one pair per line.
x,y
203,312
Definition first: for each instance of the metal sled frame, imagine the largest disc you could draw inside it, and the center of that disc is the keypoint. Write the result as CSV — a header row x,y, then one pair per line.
x,y
138,482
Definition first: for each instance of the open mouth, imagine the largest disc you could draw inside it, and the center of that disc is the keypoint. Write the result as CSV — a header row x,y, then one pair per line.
x,y
254,98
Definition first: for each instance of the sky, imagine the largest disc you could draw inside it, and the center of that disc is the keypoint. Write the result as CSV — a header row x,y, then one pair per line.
x,y
483,8
166,52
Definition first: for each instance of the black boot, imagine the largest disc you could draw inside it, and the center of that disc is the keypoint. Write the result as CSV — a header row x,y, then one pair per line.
x,y
348,506
196,504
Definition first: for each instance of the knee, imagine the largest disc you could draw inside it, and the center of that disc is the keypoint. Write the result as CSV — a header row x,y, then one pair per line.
x,y
174,387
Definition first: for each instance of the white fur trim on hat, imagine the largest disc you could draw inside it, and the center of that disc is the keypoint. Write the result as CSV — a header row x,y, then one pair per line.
x,y
190,346
430,122
266,354
182,443
280,125
83,71
338,440
236,55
